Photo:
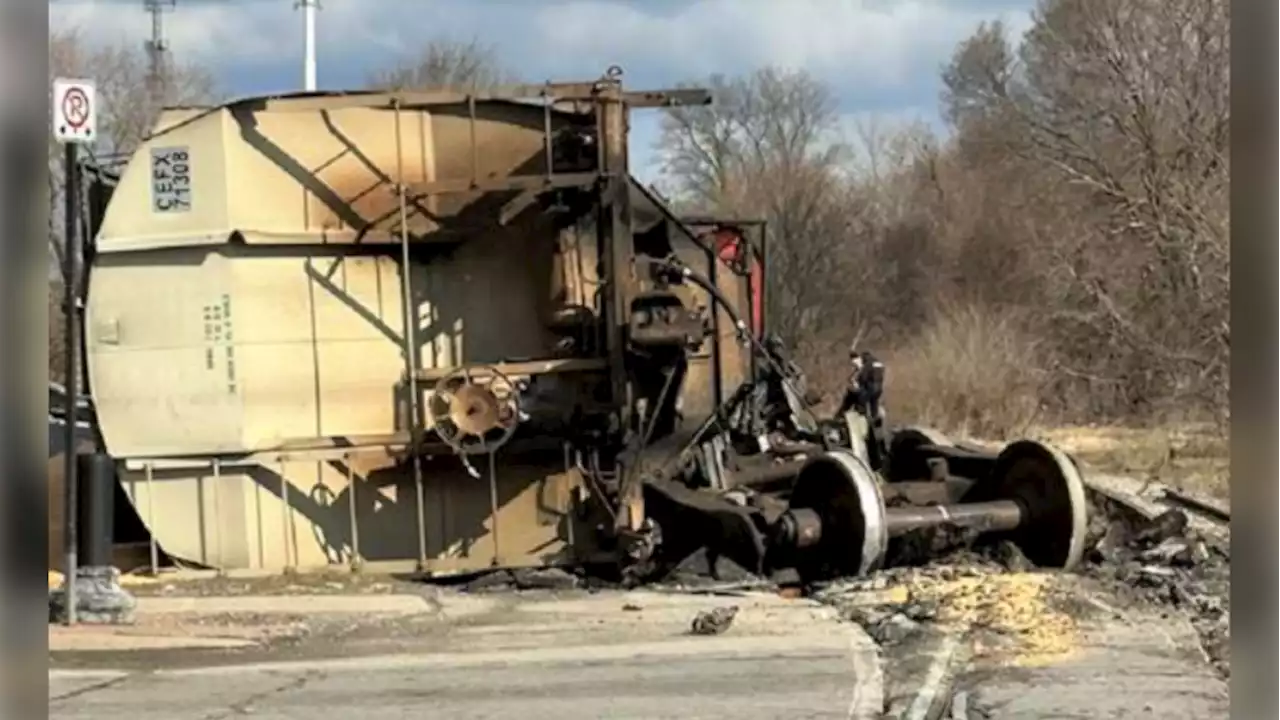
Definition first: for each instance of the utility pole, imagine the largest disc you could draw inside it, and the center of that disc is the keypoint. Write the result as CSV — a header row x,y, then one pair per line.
x,y
157,50
309,8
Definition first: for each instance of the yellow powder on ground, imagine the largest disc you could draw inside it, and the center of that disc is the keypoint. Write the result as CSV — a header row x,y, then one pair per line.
x,y
1013,605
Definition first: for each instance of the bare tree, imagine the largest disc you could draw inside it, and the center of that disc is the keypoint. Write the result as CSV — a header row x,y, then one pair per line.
x,y
127,111
1079,209
1113,117
126,115
769,145
445,64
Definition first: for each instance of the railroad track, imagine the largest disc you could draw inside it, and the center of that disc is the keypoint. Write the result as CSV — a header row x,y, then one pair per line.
x,y
1202,506
1149,499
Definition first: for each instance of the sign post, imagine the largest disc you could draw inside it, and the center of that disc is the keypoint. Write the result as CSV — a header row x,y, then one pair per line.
x,y
74,124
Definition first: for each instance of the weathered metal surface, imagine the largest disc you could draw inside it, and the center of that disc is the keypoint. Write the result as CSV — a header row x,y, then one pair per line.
x,y
305,514
248,353
311,334
278,175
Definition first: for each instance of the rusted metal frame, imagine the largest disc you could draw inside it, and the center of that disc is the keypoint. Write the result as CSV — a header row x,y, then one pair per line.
x,y
567,92
617,244
548,147
532,367
717,357
454,186
681,97
517,205
528,195
678,222
410,340
399,444
410,99
714,221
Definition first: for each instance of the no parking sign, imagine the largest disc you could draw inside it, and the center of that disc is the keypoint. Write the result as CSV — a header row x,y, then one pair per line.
x,y
75,111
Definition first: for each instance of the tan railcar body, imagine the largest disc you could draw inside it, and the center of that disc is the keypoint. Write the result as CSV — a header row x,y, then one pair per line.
x,y
245,356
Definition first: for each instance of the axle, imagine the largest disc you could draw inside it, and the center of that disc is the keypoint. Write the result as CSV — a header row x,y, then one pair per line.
x,y
838,524
994,516
802,527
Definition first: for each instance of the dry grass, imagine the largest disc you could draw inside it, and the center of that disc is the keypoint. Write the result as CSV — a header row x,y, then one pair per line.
x,y
971,373
975,375
1192,457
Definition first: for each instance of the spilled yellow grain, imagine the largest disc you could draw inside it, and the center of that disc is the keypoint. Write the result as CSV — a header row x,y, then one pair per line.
x,y
1014,605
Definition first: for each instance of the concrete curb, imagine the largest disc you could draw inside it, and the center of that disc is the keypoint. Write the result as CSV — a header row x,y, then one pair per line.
x,y
107,640
286,605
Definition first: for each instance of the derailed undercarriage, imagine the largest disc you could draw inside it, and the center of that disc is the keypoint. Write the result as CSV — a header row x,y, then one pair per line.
x,y
652,418
641,377
803,500
762,479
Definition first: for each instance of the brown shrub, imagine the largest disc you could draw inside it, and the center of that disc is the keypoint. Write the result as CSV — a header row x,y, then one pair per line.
x,y
971,372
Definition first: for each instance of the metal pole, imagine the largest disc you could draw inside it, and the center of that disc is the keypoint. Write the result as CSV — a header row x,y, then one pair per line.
x,y
309,44
152,543
71,301
217,514
410,343
286,517
351,508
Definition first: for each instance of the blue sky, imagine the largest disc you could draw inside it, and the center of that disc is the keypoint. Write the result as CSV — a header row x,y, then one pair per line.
x,y
880,57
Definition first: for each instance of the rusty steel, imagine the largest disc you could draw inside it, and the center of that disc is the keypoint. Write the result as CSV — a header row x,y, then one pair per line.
x,y
549,305
992,516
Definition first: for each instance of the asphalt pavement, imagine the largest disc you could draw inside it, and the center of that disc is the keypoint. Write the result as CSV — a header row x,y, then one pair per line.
x,y
568,655
695,678
597,657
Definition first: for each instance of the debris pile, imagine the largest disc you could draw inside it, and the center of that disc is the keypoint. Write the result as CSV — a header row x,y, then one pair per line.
x,y
551,578
1164,562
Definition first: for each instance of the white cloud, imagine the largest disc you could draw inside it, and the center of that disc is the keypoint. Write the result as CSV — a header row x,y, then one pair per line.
x,y
205,32
879,56
873,45
847,41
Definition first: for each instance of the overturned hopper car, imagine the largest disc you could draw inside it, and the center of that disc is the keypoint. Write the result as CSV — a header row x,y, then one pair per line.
x,y
445,332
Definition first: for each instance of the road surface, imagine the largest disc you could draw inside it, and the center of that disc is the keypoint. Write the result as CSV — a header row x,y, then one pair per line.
x,y
613,655
568,660
764,682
